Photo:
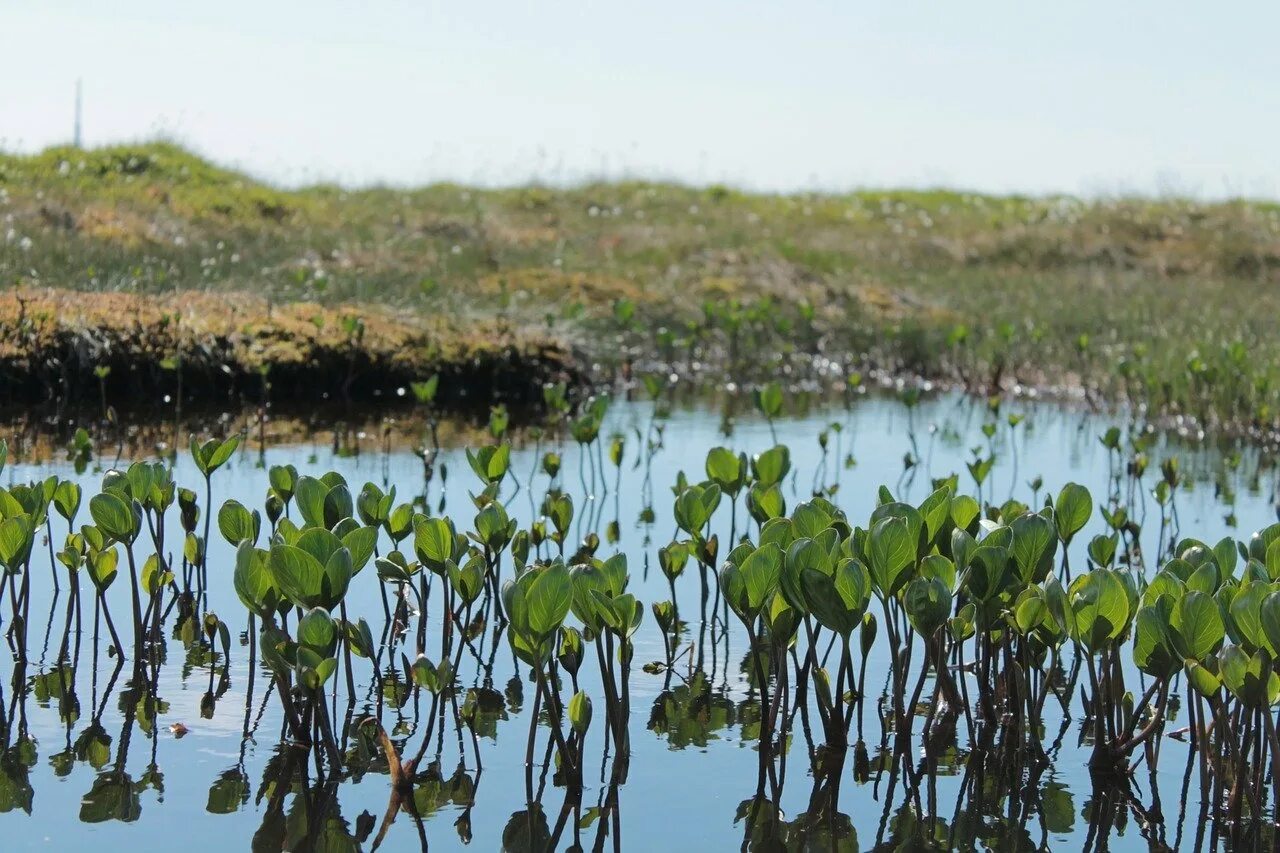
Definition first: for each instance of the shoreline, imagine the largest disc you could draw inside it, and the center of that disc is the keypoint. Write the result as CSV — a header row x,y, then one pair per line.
x,y
70,351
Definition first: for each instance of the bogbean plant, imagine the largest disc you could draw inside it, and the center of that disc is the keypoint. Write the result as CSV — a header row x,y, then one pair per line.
x,y
989,592
321,538
124,532
980,603
544,591
23,508
132,504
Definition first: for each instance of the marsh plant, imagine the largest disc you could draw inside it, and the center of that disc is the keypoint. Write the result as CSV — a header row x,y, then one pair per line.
x,y
989,622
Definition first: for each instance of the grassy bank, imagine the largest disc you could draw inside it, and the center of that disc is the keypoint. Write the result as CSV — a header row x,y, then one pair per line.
x,y
1166,305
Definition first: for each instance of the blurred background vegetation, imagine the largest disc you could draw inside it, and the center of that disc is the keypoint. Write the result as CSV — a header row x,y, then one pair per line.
x,y
1167,306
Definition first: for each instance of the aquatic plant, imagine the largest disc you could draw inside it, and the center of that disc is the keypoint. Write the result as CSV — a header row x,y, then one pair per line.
x,y
979,616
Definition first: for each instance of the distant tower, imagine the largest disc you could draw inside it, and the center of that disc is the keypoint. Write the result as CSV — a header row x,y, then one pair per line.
x,y
76,140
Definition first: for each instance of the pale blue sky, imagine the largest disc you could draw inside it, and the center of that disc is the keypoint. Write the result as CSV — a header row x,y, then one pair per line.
x,y
1084,97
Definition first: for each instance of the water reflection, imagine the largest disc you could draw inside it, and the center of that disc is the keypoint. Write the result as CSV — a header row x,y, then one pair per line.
x,y
480,764
692,713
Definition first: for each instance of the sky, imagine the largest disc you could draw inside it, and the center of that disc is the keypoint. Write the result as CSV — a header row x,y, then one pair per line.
x,y
1090,98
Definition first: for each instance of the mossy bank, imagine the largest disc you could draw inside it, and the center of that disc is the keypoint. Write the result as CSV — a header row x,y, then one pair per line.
x,y
74,349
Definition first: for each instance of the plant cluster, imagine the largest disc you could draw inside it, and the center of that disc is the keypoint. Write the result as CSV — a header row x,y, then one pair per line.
x,y
973,610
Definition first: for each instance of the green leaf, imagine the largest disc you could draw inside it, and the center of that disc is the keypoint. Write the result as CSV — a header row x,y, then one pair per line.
x,y
765,502
1030,611
338,505
1226,555
16,540
1071,511
928,604
769,400
938,566
494,528
726,469
490,463
102,568
283,479
825,603
909,514
549,598
580,712
964,510
337,577
1196,626
1102,550
1270,619
1205,682
1033,547
253,581
691,511
310,494
761,572
891,550
1205,578
810,518
1164,583
1099,608
360,638
1152,651
770,467
221,453
988,573
114,517
361,543
325,669
963,546
277,649
1246,614
1273,559
425,674
66,497
433,542
935,511
853,583
318,632
468,579
236,523
673,558
298,574
779,531
373,506
154,577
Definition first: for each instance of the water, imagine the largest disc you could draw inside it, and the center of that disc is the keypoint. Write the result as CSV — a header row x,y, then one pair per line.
x,y
693,770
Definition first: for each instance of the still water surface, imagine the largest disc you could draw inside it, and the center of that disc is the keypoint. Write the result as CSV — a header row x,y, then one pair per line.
x,y
134,785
